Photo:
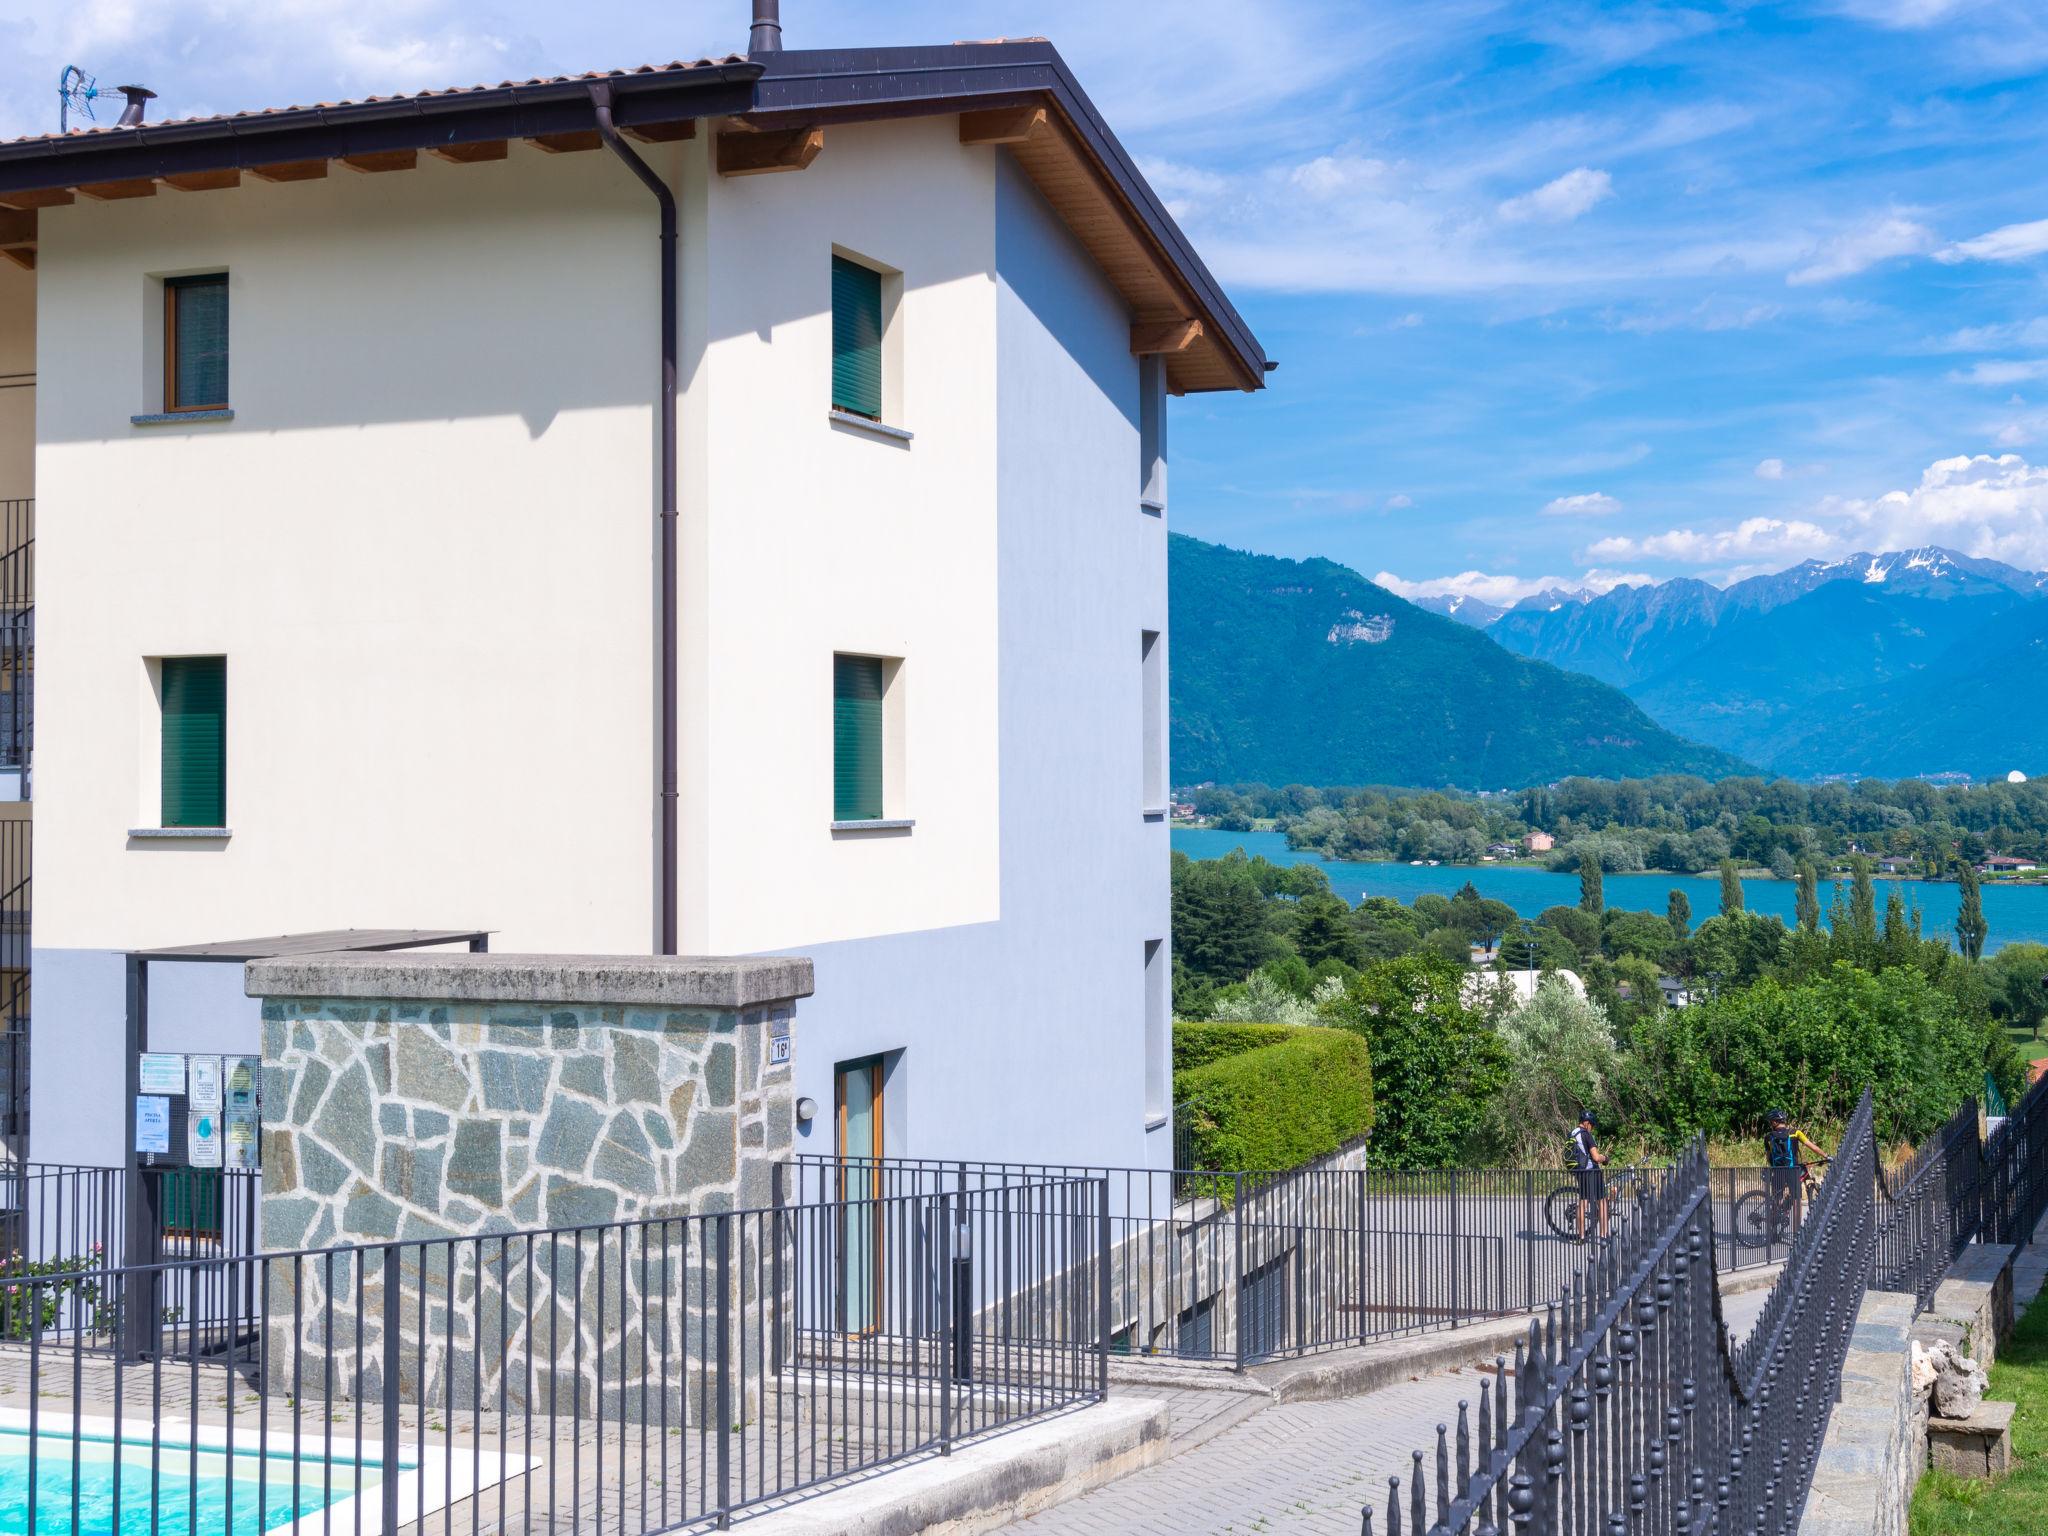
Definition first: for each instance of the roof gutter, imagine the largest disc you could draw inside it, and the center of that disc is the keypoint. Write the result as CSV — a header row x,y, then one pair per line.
x,y
665,901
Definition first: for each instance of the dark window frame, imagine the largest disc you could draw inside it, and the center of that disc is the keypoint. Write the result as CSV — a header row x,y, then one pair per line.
x,y
174,289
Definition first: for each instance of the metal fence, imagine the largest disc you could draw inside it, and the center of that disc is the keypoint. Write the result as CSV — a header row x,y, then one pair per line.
x,y
630,1377
2014,1192
77,1214
17,633
1249,1266
1631,1412
1929,1208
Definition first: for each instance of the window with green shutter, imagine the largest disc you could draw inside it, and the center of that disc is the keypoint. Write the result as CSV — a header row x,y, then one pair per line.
x,y
196,343
856,338
856,738
195,704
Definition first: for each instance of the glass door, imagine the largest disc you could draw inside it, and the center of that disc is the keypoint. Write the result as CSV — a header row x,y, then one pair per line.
x,y
858,1090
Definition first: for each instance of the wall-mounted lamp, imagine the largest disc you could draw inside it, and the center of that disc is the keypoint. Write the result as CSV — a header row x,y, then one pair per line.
x,y
806,1111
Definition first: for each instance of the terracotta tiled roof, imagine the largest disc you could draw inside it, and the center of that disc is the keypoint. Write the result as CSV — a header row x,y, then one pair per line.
x,y
676,67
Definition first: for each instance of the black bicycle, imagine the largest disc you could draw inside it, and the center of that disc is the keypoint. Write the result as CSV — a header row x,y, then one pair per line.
x,y
1561,1205
1758,1221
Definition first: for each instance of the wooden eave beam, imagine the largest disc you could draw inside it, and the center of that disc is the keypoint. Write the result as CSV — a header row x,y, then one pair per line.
x,y
1156,338
23,256
1003,125
116,191
204,181
45,197
291,170
473,153
741,153
566,143
383,160
17,226
663,133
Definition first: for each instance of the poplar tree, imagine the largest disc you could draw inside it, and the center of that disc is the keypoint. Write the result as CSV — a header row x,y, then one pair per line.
x,y
1862,902
1678,912
1806,900
1970,925
1731,888
1592,897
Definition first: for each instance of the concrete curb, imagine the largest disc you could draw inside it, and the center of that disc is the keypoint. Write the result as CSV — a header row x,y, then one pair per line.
x,y
985,1486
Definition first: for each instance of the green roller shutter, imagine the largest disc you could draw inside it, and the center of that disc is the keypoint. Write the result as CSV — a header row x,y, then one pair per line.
x,y
856,338
856,738
195,694
200,329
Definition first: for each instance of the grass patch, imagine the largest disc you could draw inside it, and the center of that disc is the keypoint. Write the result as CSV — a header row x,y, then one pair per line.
x,y
2015,1505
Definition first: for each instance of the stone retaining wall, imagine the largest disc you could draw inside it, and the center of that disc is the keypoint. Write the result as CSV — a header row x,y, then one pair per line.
x,y
1876,1442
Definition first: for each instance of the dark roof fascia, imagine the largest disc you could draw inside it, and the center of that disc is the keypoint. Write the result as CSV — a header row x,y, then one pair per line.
x,y
364,127
894,82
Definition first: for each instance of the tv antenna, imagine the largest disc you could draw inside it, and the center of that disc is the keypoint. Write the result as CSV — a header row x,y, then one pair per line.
x,y
76,90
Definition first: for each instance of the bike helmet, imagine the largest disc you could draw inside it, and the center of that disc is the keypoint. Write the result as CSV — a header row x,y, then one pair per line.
x,y
1779,1117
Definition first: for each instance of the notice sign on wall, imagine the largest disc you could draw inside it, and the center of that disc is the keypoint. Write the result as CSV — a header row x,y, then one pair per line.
x,y
238,1138
162,1072
152,1123
202,1083
202,1138
238,1077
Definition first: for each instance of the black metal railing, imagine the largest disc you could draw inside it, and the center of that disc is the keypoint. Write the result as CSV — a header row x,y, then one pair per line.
x,y
1631,1411
1241,1267
17,634
2014,1189
1929,1208
629,1377
78,1214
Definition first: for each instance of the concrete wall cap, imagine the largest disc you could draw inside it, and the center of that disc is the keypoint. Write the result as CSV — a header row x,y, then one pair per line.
x,y
671,981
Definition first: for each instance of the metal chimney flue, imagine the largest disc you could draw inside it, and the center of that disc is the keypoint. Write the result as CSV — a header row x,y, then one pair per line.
x,y
766,36
131,115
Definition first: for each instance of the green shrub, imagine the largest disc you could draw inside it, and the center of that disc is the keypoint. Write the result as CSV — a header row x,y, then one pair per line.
x,y
1196,1045
1274,1105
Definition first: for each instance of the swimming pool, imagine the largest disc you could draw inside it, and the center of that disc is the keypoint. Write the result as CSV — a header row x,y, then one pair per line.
x,y
203,1490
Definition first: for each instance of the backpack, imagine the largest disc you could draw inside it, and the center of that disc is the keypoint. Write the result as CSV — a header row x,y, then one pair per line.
x,y
1778,1149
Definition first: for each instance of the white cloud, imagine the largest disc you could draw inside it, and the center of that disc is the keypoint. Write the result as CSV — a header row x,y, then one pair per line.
x,y
1903,15
1990,338
2013,242
1562,200
1854,250
1771,469
1397,501
1754,538
1587,504
1999,373
1993,507
1502,590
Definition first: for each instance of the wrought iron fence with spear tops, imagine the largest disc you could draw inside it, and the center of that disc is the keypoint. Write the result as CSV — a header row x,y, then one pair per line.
x,y
1632,1414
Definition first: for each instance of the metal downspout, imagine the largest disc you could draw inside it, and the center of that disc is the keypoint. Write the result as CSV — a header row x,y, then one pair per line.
x,y
601,100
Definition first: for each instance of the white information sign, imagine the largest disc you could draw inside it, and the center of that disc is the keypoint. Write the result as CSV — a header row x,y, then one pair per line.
x,y
238,1148
162,1072
152,1123
778,1051
239,1076
202,1083
202,1138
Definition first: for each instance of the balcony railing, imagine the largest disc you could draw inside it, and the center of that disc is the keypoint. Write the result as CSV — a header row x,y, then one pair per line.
x,y
17,635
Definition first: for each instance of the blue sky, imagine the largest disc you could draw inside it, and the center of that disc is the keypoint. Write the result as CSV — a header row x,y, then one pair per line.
x,y
1555,288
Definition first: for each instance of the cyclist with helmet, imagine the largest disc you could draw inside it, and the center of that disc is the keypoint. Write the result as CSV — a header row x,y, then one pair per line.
x,y
1783,1144
1588,1161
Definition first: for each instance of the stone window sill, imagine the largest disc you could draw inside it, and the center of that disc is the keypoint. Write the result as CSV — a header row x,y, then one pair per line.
x,y
853,423
180,834
1150,507
1154,813
1155,1122
174,418
882,824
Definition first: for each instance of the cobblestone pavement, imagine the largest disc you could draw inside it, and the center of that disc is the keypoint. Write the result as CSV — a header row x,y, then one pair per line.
x,y
1290,1467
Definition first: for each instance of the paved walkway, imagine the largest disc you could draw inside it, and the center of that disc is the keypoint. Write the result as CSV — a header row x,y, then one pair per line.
x,y
1288,1467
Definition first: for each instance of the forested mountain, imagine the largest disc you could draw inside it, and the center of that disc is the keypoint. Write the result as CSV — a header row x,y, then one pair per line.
x,y
1304,671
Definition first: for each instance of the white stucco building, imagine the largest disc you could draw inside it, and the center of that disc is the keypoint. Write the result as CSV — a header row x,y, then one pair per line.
x,y
346,452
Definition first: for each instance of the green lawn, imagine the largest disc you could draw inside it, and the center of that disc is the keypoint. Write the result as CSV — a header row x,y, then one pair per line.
x,y
2017,1505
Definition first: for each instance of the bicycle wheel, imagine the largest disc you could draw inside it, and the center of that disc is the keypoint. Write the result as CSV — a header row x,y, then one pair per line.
x,y
1751,1225
1561,1210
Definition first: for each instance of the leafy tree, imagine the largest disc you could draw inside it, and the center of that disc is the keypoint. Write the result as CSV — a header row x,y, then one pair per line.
x,y
1731,888
1437,1061
1261,1000
1971,928
1386,929
1580,929
1735,949
1678,913
2018,975
1323,931
1561,1059
1862,901
1806,900
1591,896
1641,935
1221,929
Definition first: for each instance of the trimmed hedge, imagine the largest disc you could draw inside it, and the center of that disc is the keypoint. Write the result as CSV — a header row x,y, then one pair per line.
x,y
1196,1045
1300,1096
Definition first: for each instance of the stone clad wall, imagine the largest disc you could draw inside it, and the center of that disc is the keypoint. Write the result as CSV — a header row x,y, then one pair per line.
x,y
403,1120
530,1162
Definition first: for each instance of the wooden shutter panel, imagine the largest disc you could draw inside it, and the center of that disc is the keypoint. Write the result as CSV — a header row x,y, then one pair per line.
x,y
856,338
199,339
856,738
195,697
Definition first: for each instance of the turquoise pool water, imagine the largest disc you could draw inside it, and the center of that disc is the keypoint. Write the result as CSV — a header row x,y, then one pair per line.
x,y
178,1511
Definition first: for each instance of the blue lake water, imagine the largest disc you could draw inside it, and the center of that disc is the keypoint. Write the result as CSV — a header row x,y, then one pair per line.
x,y
2014,913
177,1511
